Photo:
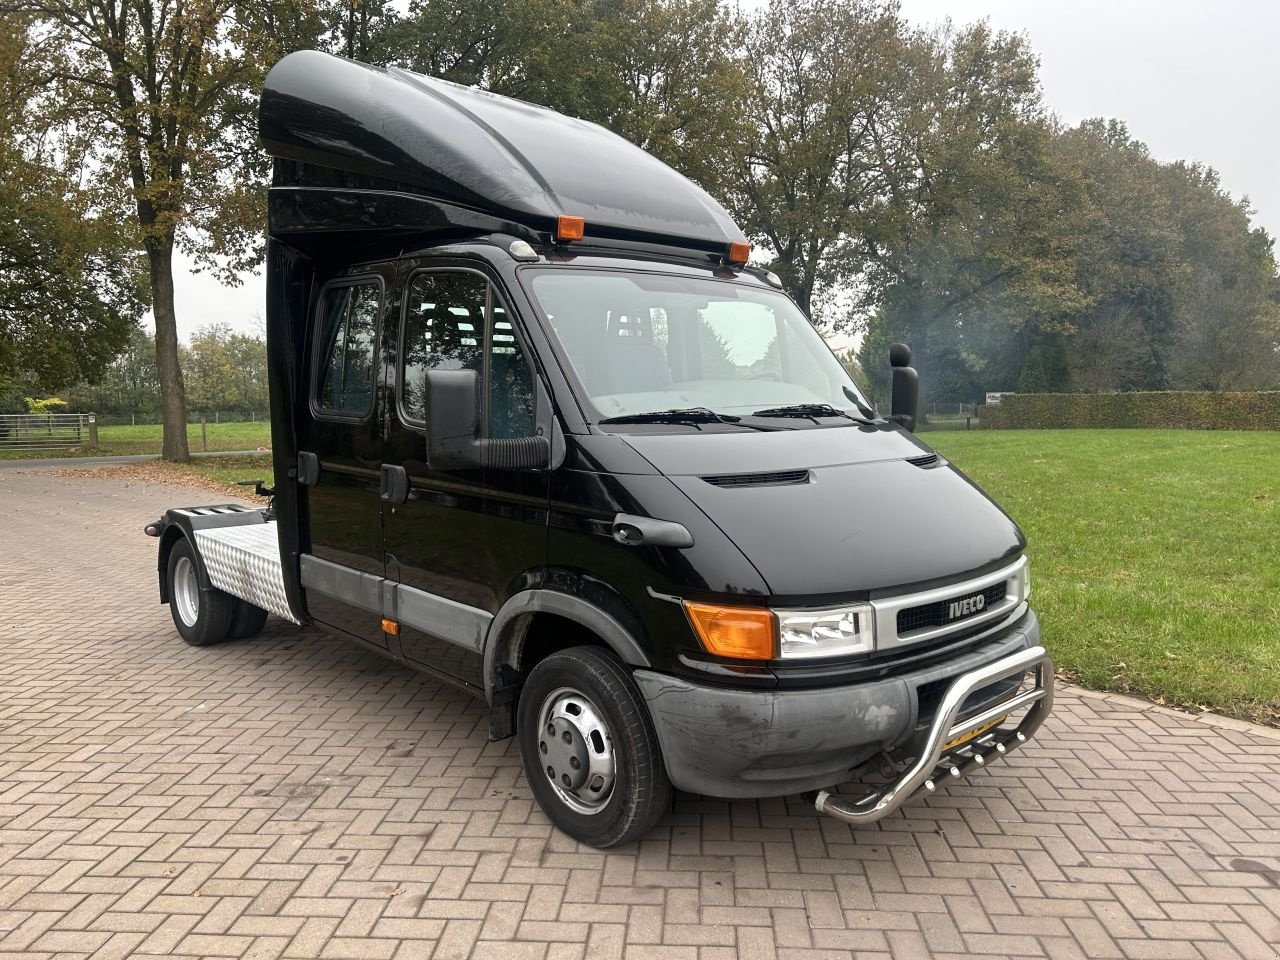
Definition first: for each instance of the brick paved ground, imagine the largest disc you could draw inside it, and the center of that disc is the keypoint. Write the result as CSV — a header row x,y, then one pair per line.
x,y
293,796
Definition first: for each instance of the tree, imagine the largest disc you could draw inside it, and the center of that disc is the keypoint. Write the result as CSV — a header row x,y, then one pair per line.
x,y
226,371
70,286
1110,351
159,95
1127,266
128,385
359,29
1176,281
974,239
1226,324
662,73
821,76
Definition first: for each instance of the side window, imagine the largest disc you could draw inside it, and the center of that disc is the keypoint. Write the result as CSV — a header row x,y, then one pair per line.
x,y
349,334
510,380
446,328
443,330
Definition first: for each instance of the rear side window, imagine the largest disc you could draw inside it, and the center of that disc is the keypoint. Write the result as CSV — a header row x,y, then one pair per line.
x,y
349,315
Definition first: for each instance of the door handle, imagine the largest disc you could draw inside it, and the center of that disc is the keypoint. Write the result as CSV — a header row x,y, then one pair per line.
x,y
308,468
393,485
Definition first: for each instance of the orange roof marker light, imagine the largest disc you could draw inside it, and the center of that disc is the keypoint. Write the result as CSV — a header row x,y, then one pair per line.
x,y
739,254
570,228
745,633
390,626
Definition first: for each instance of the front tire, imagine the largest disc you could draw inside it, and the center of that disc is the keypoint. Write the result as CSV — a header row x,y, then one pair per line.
x,y
201,616
589,749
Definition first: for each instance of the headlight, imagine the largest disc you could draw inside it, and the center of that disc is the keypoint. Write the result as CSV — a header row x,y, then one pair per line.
x,y
826,633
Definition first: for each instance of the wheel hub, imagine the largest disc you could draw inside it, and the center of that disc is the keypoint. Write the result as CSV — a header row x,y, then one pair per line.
x,y
186,591
576,750
565,754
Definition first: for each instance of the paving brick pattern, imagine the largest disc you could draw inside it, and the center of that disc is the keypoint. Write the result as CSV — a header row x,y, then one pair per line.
x,y
293,796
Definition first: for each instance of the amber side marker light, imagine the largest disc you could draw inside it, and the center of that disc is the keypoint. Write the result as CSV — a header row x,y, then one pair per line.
x,y
570,228
744,633
739,254
390,626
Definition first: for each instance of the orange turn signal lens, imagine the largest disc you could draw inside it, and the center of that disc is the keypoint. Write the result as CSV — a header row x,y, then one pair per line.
x,y
739,253
570,228
744,633
390,626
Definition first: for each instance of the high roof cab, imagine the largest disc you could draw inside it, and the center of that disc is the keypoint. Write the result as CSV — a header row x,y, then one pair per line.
x,y
515,161
538,431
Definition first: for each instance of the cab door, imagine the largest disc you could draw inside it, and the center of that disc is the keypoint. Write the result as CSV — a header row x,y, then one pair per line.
x,y
340,454
460,538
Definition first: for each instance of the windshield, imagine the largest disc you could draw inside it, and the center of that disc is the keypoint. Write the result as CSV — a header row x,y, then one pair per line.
x,y
643,343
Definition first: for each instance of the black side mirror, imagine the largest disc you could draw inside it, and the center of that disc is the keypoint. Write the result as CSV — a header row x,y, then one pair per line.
x,y
905,403
453,424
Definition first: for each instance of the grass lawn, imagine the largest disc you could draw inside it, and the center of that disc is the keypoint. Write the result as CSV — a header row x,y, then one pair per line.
x,y
145,438
229,471
1154,559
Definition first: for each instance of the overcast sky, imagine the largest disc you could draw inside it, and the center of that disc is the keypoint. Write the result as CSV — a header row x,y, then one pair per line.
x,y
1195,80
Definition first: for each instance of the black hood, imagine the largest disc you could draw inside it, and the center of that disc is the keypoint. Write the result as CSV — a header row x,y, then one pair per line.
x,y
837,511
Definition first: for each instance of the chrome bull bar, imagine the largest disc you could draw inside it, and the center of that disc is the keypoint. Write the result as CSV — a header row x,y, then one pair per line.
x,y
936,760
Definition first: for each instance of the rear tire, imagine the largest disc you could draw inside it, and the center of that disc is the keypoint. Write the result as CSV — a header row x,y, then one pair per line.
x,y
247,621
201,616
590,753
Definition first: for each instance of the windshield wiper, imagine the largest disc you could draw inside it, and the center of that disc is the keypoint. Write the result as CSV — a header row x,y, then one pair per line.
x,y
690,415
810,411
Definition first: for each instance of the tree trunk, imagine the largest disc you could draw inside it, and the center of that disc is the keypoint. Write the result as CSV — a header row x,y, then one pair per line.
x,y
173,397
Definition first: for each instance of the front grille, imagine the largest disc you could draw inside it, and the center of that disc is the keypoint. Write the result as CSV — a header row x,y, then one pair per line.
x,y
929,697
939,614
776,478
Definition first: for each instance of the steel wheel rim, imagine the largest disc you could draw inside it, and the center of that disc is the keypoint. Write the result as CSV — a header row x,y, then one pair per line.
x,y
186,591
575,751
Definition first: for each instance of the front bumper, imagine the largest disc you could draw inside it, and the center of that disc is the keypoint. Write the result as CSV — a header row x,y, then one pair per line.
x,y
736,744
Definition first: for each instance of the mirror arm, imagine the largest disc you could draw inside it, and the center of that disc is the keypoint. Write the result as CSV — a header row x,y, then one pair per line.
x,y
515,453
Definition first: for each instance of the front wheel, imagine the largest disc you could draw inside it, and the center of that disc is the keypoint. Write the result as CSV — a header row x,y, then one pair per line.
x,y
589,750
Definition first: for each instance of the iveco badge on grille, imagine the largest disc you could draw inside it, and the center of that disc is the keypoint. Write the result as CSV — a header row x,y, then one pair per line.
x,y
966,607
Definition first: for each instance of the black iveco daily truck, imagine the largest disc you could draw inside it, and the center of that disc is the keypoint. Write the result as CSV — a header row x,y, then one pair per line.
x,y
540,430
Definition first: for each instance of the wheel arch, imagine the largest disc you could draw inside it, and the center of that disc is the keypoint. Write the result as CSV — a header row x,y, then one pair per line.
x,y
173,533
514,628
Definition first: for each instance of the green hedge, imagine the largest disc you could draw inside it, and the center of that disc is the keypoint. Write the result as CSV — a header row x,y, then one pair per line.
x,y
1175,410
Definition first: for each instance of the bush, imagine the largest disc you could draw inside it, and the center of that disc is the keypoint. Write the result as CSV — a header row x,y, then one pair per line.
x,y
1169,410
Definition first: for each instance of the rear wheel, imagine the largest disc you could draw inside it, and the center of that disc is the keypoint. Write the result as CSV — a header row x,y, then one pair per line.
x,y
201,616
589,750
247,621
